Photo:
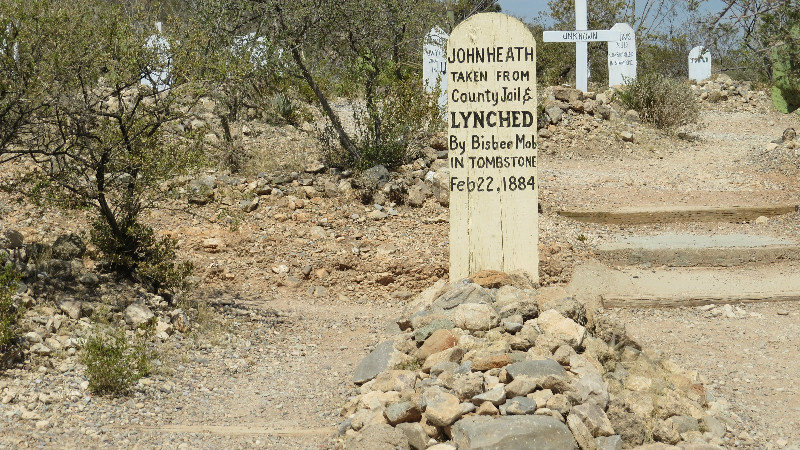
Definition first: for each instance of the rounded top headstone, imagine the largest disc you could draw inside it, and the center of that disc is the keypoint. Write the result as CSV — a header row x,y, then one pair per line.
x,y
622,56
699,64
491,70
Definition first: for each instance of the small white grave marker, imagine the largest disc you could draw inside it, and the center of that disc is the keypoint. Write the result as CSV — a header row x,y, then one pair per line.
x,y
622,56
14,50
699,64
159,76
581,36
434,64
491,71
256,46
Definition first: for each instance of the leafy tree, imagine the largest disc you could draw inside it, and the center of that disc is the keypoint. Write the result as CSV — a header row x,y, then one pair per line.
x,y
367,49
463,9
98,135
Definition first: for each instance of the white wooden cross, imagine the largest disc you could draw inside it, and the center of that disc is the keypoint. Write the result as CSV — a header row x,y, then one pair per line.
x,y
581,37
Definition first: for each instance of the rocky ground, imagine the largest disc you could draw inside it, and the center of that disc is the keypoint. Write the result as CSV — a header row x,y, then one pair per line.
x,y
300,280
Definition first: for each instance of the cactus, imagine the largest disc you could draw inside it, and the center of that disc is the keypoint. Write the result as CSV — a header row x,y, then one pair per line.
x,y
786,76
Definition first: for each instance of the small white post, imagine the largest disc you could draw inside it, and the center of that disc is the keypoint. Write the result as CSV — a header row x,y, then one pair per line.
x,y
581,48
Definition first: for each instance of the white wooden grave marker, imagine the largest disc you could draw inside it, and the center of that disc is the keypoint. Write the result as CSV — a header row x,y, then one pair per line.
x,y
491,91
699,64
434,64
622,56
159,76
581,36
14,50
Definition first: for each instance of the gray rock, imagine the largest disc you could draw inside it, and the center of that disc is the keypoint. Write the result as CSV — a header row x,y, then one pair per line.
x,y
249,205
468,386
443,366
41,349
68,247
683,424
33,337
71,308
569,308
512,325
496,396
372,178
137,313
590,388
560,328
469,293
604,111
595,419
14,239
425,332
378,437
441,408
609,443
580,432
512,433
89,279
528,309
201,190
343,427
559,403
374,363
475,317
418,194
262,188
554,113
714,426
415,434
402,412
536,369
520,406
521,386
626,136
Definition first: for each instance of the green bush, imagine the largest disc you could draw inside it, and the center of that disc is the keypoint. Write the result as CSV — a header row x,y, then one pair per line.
x,y
385,130
9,312
661,101
113,363
151,260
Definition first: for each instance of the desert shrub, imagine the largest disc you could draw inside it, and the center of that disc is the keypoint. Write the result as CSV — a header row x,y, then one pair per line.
x,y
105,136
152,260
663,102
386,128
114,363
9,312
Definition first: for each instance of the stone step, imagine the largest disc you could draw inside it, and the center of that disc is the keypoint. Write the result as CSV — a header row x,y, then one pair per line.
x,y
672,214
600,285
689,250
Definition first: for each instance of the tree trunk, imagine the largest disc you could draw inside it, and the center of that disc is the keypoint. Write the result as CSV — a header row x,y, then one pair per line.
x,y
344,139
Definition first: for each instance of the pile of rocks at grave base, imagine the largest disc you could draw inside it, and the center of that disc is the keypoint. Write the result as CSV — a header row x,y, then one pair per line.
x,y
733,95
481,365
